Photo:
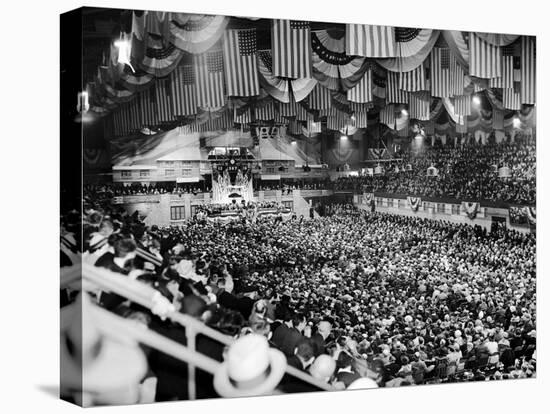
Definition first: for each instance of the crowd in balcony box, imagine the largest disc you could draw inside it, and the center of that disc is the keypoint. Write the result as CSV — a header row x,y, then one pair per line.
x,y
464,172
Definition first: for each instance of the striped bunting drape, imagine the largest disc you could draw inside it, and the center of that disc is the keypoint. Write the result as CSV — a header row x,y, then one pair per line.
x,y
362,92
485,58
413,81
419,105
320,98
528,67
393,93
370,41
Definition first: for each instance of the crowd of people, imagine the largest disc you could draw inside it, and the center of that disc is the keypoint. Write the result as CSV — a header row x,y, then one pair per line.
x,y
464,172
213,209
353,298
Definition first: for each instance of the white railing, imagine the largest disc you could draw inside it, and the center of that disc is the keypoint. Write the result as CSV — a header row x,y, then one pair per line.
x,y
90,278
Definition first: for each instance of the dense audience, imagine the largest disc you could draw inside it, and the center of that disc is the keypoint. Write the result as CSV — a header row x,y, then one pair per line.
x,y
353,298
464,172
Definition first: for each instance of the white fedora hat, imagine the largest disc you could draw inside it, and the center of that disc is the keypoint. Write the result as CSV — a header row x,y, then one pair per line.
x,y
250,368
97,369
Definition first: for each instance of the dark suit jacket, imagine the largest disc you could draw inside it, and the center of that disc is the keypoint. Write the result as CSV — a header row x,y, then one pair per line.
x,y
286,339
318,343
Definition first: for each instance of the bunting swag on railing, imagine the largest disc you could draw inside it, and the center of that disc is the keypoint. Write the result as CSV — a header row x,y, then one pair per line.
x,y
409,40
196,33
470,208
331,66
277,87
118,93
367,199
414,203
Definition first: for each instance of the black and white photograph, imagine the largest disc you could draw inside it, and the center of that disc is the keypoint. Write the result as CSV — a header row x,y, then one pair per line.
x,y
258,206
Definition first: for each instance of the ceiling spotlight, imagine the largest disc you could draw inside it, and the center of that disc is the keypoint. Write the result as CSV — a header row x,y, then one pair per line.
x,y
476,100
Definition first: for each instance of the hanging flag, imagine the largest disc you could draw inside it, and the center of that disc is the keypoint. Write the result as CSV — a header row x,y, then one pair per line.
x,y
507,78
528,66
337,120
517,68
148,108
498,119
440,73
511,98
288,109
302,114
378,86
485,58
370,41
135,120
360,119
265,112
313,127
184,91
291,46
241,70
393,93
461,125
362,92
456,77
419,105
414,80
294,127
463,105
163,100
209,79
241,117
387,116
320,98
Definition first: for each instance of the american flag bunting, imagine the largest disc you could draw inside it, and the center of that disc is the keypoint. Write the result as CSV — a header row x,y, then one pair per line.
x,y
241,70
209,79
291,46
370,41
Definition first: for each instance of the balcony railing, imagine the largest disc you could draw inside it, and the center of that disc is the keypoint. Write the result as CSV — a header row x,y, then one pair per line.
x,y
90,278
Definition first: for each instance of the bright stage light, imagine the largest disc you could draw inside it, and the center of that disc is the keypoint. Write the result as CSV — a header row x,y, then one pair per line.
x,y
404,112
343,137
293,142
476,101
516,122
353,118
